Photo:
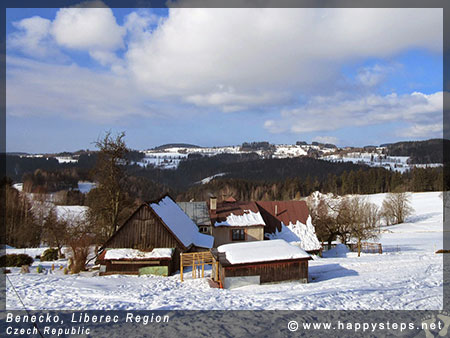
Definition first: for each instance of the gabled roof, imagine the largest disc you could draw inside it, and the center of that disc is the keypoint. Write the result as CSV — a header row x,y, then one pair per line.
x,y
236,213
276,212
197,212
180,224
175,221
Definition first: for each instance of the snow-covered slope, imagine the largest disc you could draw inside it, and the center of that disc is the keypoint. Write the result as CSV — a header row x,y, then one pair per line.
x,y
408,275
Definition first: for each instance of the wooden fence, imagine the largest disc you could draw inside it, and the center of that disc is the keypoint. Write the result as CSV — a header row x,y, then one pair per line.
x,y
367,247
197,260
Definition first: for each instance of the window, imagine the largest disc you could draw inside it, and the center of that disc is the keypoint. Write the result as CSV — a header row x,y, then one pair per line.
x,y
238,235
203,229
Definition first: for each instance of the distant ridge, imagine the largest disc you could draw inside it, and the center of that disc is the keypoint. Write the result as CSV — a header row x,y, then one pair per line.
x,y
176,145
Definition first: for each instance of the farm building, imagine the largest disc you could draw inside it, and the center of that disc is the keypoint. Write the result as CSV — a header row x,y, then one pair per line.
x,y
235,221
238,221
160,224
132,261
260,262
199,214
291,221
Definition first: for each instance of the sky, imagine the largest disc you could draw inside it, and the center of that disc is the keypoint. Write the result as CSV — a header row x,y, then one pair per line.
x,y
215,77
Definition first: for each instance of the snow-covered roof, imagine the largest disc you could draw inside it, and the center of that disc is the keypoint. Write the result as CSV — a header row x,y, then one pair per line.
x,y
261,251
180,223
137,254
299,234
248,218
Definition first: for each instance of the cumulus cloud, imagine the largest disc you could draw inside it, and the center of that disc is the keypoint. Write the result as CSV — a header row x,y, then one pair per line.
x,y
420,111
197,49
31,37
87,29
235,59
71,91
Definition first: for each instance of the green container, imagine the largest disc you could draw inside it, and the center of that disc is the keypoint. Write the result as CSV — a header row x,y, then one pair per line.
x,y
154,270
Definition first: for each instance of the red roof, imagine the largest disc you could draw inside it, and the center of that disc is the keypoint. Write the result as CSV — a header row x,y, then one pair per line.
x,y
275,212
272,212
226,208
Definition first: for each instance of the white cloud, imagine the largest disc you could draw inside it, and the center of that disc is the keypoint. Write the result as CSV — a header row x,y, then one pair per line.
x,y
266,50
326,139
227,59
423,112
71,91
373,75
31,37
87,29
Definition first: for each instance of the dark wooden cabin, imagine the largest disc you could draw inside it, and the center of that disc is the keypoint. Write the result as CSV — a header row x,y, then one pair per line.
x,y
160,224
273,265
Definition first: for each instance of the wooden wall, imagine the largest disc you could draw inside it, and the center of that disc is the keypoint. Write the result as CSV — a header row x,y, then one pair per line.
x,y
132,267
144,231
269,272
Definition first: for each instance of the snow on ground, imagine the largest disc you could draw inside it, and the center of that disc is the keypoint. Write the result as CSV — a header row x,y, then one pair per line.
x,y
71,212
396,163
408,275
210,178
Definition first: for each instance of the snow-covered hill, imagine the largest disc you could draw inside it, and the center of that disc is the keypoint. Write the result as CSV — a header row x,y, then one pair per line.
x,y
408,275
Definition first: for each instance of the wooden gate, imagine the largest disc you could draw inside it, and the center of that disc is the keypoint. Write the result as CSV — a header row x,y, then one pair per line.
x,y
195,260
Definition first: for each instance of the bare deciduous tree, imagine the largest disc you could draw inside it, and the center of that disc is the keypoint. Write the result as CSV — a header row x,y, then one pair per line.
x,y
108,200
396,207
79,239
55,231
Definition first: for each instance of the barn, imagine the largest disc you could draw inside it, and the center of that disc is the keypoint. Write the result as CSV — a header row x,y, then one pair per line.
x,y
260,262
160,224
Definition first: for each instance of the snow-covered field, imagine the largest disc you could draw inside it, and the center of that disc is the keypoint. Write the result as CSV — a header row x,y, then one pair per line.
x,y
396,163
408,275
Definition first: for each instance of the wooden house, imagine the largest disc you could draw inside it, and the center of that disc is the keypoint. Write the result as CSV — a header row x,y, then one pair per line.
x,y
235,221
260,262
291,221
160,224
239,221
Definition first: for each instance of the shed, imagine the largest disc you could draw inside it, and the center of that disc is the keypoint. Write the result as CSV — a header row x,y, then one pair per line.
x,y
260,262
160,224
132,262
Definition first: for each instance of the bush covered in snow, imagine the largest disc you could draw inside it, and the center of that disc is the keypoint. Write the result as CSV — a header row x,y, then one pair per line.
x,y
51,254
15,260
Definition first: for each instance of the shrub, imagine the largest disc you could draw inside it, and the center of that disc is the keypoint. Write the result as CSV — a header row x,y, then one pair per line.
x,y
51,254
15,260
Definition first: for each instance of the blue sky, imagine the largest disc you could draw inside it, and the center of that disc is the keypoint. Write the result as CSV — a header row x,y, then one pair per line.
x,y
222,76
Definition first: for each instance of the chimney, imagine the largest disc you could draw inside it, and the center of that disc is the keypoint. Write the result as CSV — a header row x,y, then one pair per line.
x,y
212,203
276,210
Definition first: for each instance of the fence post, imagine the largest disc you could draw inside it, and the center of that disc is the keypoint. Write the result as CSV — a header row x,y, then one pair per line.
x,y
181,266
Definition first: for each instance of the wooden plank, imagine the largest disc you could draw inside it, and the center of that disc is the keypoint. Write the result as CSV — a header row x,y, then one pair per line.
x,y
135,262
